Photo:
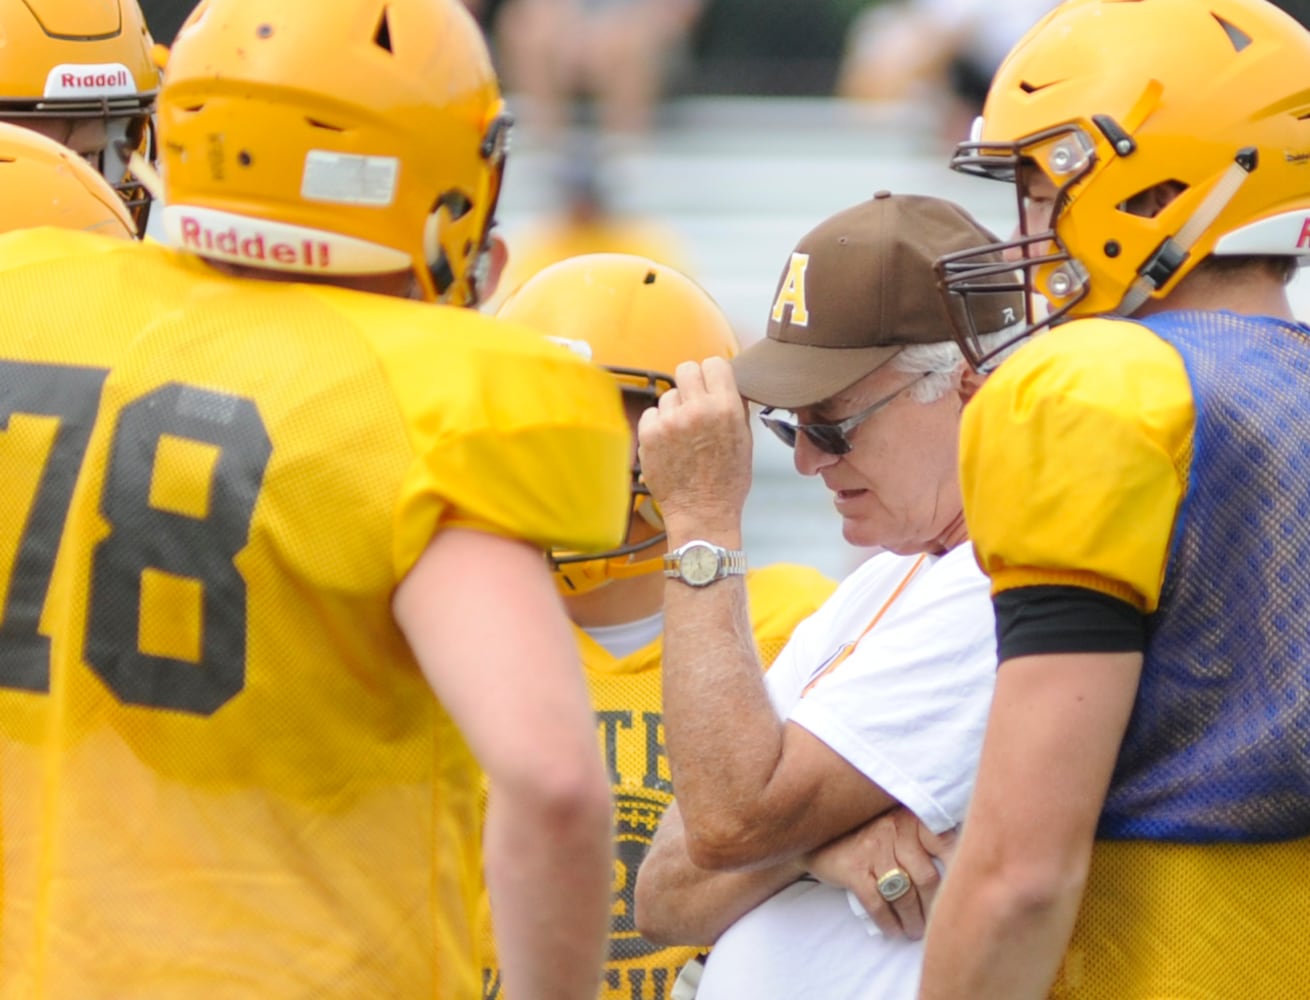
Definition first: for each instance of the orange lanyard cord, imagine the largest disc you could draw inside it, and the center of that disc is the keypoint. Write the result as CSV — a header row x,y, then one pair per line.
x,y
849,648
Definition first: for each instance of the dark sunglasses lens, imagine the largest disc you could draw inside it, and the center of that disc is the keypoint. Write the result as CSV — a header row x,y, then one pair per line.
x,y
786,432
828,438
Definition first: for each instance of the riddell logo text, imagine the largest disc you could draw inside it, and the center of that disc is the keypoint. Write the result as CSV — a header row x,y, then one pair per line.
x,y
1304,239
95,81
305,253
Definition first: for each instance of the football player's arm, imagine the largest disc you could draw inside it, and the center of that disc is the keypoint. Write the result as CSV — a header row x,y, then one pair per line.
x,y
1007,908
753,790
1076,551
482,616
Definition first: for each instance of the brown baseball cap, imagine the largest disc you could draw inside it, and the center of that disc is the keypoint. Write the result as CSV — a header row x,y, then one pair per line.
x,y
857,289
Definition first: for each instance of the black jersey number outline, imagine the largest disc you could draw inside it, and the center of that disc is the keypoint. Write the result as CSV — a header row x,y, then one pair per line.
x,y
141,537
71,395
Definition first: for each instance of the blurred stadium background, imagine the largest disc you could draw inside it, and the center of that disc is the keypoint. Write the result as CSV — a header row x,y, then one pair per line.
x,y
750,149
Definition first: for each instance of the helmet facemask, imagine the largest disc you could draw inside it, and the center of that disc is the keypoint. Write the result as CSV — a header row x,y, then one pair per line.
x,y
125,137
576,573
1037,264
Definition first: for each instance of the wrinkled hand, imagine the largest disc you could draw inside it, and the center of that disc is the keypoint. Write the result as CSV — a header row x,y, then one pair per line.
x,y
695,446
895,839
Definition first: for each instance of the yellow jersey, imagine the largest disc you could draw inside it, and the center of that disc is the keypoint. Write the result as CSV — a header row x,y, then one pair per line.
x,y
1082,465
234,778
626,695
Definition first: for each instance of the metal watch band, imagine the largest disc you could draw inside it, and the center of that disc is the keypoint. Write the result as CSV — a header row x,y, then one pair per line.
x,y
734,563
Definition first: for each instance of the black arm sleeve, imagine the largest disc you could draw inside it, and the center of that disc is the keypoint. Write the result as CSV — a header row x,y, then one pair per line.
x,y
1050,619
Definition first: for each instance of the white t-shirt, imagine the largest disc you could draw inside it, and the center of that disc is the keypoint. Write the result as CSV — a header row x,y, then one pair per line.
x,y
621,641
907,708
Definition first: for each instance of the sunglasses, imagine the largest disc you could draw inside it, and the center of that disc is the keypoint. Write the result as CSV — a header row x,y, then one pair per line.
x,y
831,439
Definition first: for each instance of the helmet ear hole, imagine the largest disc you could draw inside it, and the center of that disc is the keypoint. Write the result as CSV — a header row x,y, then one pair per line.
x,y
1151,201
449,208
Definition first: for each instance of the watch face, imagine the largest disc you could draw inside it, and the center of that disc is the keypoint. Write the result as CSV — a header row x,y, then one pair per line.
x,y
699,564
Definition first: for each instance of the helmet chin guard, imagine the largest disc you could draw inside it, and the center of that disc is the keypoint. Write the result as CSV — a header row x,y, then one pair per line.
x,y
576,573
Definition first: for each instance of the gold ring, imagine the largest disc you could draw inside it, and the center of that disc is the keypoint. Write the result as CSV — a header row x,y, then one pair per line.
x,y
895,884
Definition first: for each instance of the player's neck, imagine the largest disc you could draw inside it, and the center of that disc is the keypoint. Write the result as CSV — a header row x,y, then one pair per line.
x,y
618,602
1251,294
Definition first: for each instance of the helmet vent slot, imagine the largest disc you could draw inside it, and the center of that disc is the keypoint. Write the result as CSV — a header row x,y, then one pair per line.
x,y
382,37
456,203
1236,35
1145,204
327,126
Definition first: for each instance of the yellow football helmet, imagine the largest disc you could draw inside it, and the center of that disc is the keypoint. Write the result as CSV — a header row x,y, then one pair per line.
x,y
81,73
354,137
43,183
1110,99
640,320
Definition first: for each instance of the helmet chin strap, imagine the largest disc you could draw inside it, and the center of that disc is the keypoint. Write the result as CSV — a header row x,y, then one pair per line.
x,y
648,510
146,175
575,574
1171,254
573,578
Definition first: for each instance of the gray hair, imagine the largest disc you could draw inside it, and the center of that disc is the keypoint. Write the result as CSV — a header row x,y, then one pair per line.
x,y
941,360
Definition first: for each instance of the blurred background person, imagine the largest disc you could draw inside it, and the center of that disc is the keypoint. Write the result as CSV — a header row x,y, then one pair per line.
x,y
81,73
640,320
615,54
945,51
585,218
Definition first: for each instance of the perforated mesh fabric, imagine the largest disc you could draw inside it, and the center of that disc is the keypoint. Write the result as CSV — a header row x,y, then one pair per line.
x,y
1090,427
1191,922
1219,743
246,778
629,724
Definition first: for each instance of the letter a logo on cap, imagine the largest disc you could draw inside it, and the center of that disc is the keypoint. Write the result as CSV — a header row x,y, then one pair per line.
x,y
792,292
